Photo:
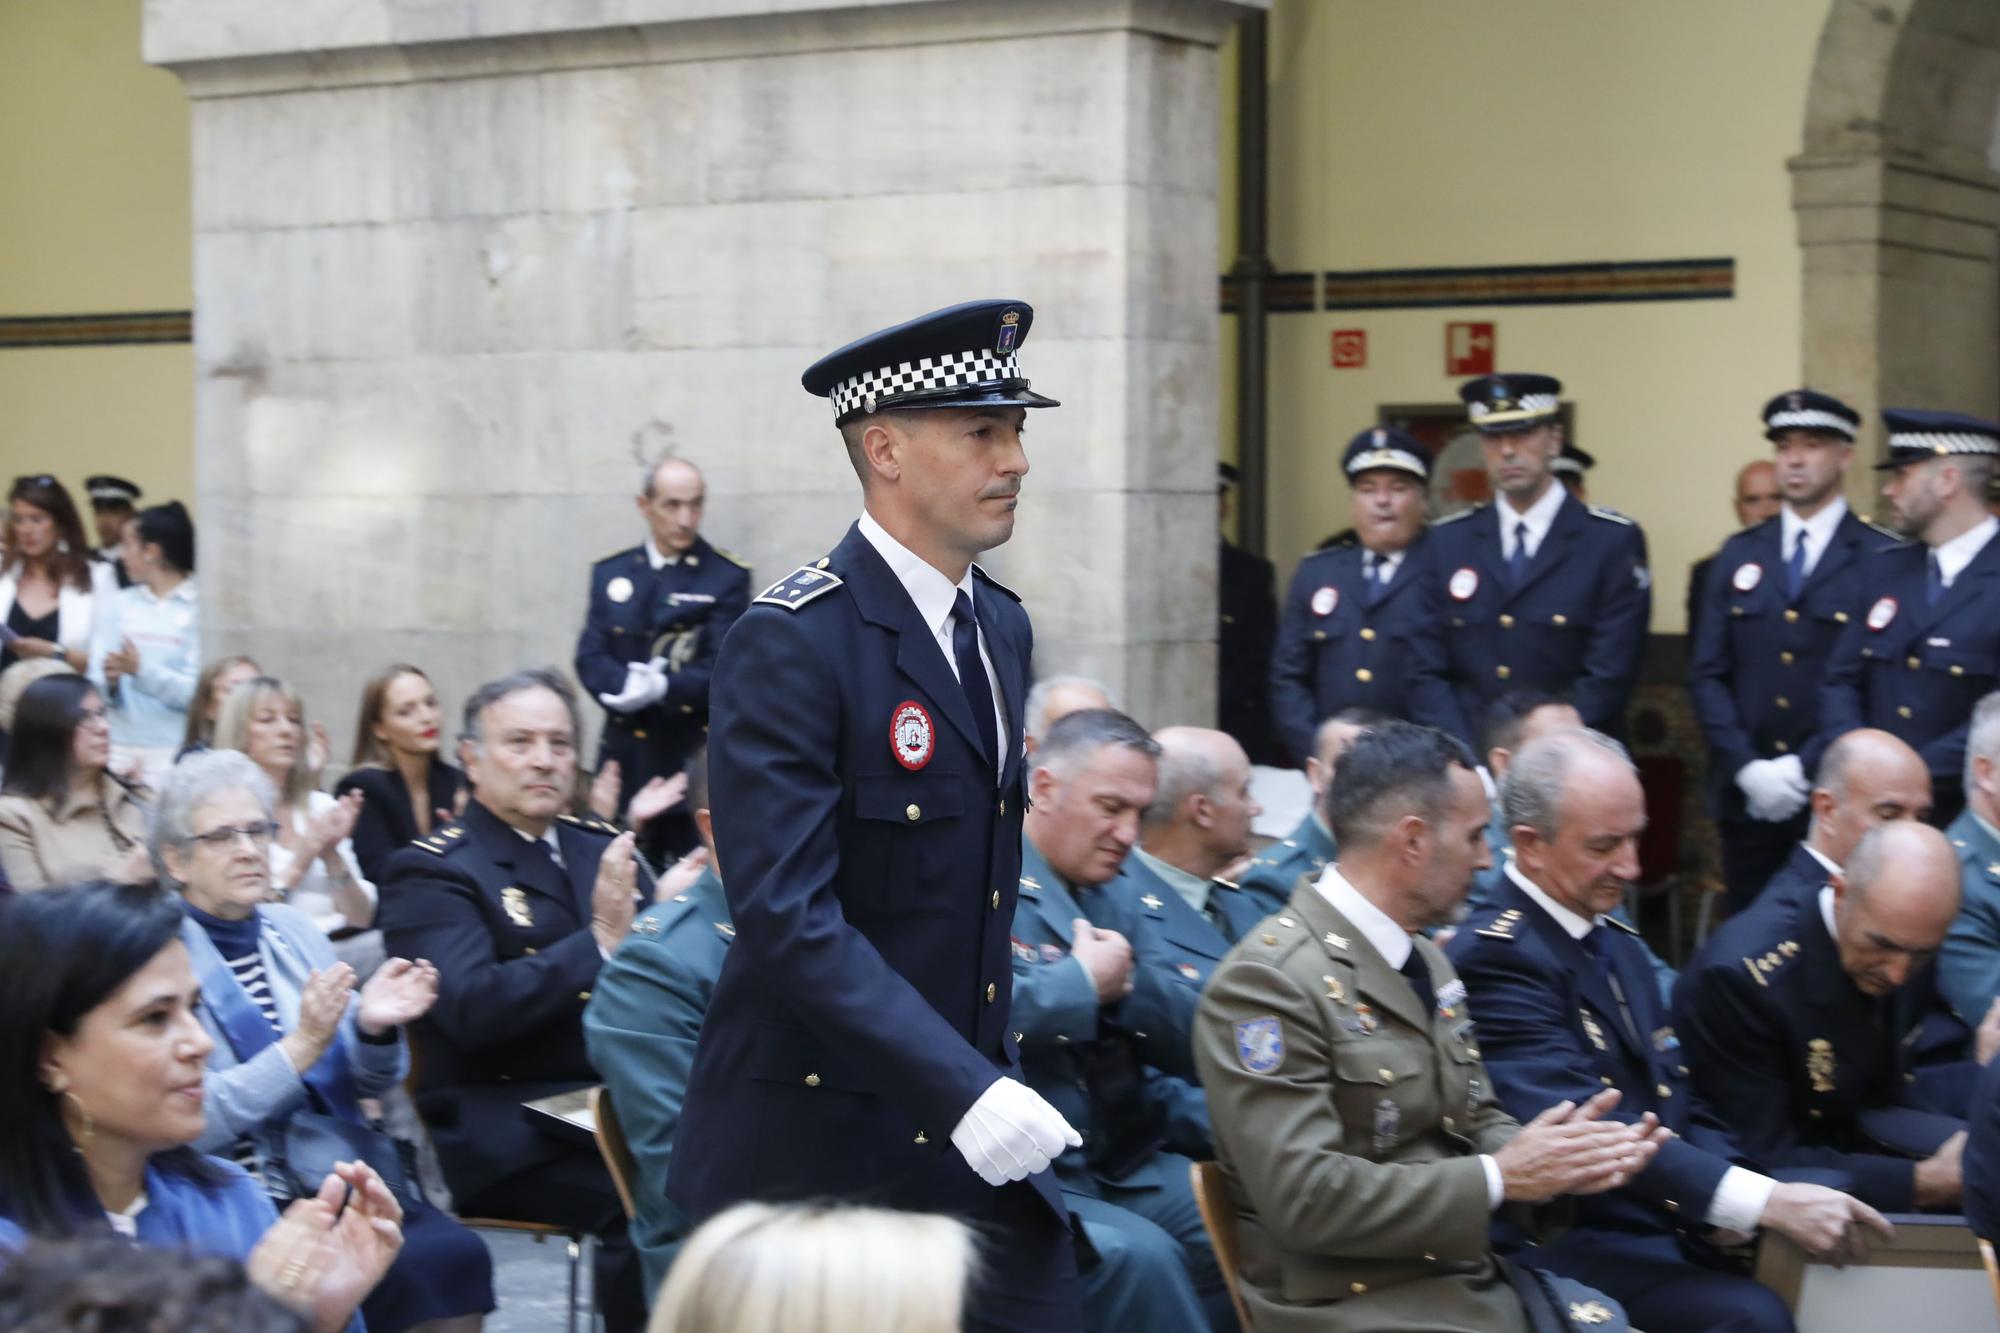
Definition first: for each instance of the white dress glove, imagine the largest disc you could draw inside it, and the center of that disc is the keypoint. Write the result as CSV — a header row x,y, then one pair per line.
x,y
1010,1133
1774,789
645,685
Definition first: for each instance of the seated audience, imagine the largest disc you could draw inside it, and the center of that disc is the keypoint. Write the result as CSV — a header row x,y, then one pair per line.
x,y
519,905
13,681
1566,1008
1982,1156
1197,826
108,1285
102,1064
1969,966
146,647
275,1002
65,818
814,1269
312,859
1052,700
51,591
406,786
1812,1026
1275,871
1865,778
218,679
1363,1150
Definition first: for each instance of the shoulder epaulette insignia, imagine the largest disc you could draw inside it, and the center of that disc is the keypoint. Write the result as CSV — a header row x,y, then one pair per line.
x,y
1614,921
1890,533
1767,964
995,582
433,844
731,557
646,925
594,825
1600,511
798,588
613,555
724,929
1467,512
1503,926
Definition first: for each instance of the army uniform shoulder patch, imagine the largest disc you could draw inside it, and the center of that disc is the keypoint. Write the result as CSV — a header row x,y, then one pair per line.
x,y
594,825
1502,927
987,578
1260,1044
802,585
731,557
1599,511
1466,512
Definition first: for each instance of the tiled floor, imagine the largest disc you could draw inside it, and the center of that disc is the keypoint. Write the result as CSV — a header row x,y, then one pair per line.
x,y
532,1283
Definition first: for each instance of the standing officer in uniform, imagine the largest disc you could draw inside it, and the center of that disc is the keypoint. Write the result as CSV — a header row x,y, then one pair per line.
x,y
1779,596
1567,1007
1757,498
1246,622
867,776
1275,871
1927,644
1866,778
1571,467
658,615
113,503
1344,636
1533,591
519,905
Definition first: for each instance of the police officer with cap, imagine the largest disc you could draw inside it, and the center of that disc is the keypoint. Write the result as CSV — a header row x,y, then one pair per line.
x,y
1344,635
867,775
114,502
1535,590
1777,599
1926,643
1570,468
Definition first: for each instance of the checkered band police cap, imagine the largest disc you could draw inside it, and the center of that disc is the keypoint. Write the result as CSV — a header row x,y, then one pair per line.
x,y
965,355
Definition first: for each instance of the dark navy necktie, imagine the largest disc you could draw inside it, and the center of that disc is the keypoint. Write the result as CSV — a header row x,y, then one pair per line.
x,y
1517,567
1933,581
972,673
1378,576
1419,977
1795,569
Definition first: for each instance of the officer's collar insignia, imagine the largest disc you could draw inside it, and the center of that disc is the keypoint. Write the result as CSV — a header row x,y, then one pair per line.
x,y
1768,964
724,929
1819,1064
801,586
1616,924
1503,925
515,902
1225,883
1151,901
646,925
1334,990
1335,941
1189,970
1589,1312
619,589
454,831
912,735
1260,1044
1030,885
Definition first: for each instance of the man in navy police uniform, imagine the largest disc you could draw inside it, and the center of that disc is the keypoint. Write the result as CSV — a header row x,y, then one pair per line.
x,y
1777,599
1926,645
1536,590
1344,634
867,775
658,615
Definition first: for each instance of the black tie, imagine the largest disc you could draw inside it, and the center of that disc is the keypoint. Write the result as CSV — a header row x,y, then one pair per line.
x,y
1419,977
1517,568
1378,576
972,674
1933,581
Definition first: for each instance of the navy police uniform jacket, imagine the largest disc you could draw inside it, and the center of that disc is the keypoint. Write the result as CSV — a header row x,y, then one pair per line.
x,y
1760,656
1981,1164
1574,625
1556,1024
682,612
1912,669
1338,650
1802,876
1274,872
509,931
864,1005
1807,1069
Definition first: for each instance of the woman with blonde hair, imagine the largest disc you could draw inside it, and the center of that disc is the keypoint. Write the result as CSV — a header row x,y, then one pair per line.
x,y
810,1268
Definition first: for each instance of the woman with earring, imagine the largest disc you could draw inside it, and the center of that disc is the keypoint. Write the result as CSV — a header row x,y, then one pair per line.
x,y
407,788
51,591
65,818
102,1065
146,649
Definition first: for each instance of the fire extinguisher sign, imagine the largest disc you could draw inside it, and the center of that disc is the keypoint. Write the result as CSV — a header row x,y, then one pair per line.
x,y
1468,349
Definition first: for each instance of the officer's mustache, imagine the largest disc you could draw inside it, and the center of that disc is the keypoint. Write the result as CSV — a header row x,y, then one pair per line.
x,y
1001,492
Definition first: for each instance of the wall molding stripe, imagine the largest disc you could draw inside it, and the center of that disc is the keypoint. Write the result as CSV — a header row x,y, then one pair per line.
x,y
107,330
1495,285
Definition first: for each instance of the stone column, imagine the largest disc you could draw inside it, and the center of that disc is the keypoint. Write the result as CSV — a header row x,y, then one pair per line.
x,y
462,265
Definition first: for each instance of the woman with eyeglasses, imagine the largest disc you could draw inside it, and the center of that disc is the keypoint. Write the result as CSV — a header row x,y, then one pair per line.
x,y
65,818
292,1031
146,649
51,591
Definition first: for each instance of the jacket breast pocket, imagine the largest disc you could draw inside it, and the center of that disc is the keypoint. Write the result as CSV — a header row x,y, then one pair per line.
x,y
914,839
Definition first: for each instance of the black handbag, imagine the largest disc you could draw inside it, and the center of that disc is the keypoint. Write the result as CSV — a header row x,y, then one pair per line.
x,y
315,1139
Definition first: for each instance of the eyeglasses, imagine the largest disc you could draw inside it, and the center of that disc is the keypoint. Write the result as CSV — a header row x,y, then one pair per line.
x,y
223,838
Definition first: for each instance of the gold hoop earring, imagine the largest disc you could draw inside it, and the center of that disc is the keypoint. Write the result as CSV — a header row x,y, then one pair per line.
x,y
89,1124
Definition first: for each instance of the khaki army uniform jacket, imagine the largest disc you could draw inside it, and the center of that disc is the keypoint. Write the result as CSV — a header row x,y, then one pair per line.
x,y
1349,1124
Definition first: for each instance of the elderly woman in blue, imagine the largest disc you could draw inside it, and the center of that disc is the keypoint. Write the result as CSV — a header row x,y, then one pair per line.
x,y
102,1065
289,1032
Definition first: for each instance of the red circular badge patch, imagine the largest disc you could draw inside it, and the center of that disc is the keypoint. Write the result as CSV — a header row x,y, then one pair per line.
x,y
911,735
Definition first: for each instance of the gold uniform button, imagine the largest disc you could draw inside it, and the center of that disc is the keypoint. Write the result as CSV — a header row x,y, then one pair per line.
x,y
1560,620
1430,1258
1781,747
1606,1079
1782,701
1957,670
1003,808
1364,675
1450,1125
824,561
583,995
687,708
1368,634
639,735
1386,1075
1319,634
1791,617
812,1080
1506,622
529,951
1912,662
1672,1207
1786,658
1358,1288
912,813
1503,671
992,991
996,900
1664,1090
1903,711
922,1138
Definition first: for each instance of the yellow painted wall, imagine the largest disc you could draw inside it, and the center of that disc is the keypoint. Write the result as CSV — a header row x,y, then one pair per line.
x,y
1425,133
94,219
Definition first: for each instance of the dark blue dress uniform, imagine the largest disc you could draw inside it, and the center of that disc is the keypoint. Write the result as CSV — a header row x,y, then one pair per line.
x,y
1561,1019
1274,872
640,1026
1808,1070
1801,876
1918,657
1343,636
681,612
872,846
509,930
1981,1164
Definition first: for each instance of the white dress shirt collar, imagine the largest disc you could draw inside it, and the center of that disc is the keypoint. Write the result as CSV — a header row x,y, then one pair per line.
x,y
1389,939
548,839
1390,560
1826,912
1825,861
1576,925
1819,530
1956,554
658,559
1541,516
934,594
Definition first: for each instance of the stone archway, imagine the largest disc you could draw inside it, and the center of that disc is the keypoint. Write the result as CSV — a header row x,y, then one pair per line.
x,y
1898,209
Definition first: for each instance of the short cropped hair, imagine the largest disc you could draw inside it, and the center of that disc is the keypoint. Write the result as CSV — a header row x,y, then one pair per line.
x,y
515,682
1532,791
1184,772
1036,710
1083,733
191,784
1507,718
1392,770
1982,741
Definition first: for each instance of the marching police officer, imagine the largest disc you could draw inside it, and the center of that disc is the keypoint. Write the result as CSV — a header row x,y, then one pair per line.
x,y
1927,646
867,776
1344,635
658,614
1779,596
1535,590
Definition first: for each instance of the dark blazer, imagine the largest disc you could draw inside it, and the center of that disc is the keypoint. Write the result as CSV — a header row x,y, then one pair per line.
x,y
1802,876
1759,656
387,822
1246,609
1349,655
1915,670
1575,625
1982,1156
1805,1068
509,931
864,1005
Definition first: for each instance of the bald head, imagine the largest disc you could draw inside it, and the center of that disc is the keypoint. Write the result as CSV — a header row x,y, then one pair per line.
x,y
1202,809
1056,698
1757,493
1866,778
671,504
1893,905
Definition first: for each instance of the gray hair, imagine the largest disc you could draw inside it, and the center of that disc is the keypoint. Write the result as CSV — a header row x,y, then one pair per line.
x,y
493,691
193,783
1532,791
659,461
1036,710
1185,770
1982,740
1081,734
